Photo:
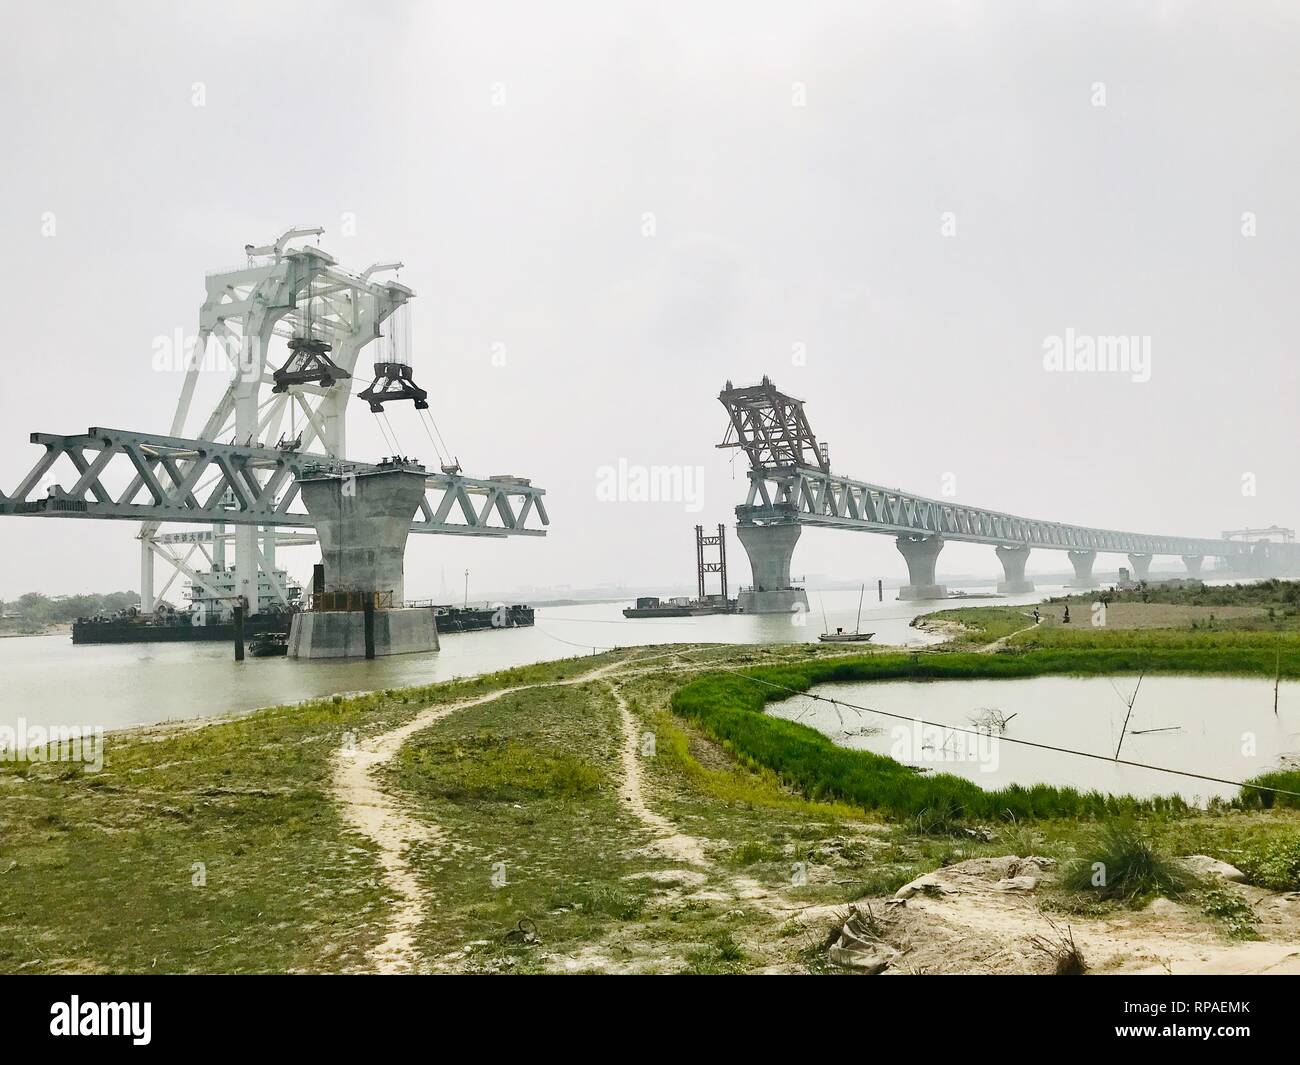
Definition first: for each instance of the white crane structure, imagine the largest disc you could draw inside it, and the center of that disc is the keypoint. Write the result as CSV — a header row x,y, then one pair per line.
x,y
281,291
236,469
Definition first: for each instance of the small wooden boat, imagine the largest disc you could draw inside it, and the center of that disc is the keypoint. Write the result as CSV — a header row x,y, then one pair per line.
x,y
839,635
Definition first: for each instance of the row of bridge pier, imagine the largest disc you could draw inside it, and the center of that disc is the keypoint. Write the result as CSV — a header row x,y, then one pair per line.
x,y
771,548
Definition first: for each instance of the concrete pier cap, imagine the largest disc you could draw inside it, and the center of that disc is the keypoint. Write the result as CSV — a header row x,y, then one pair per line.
x,y
770,549
1141,566
1082,562
362,519
920,553
1013,561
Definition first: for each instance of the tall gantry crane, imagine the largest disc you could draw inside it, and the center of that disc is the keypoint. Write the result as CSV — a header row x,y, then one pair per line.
x,y
237,467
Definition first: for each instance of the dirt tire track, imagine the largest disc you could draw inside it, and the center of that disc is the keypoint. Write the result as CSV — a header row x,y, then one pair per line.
x,y
382,819
673,844
997,645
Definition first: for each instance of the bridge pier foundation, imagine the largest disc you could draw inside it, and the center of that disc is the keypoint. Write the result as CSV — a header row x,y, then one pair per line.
x,y
1082,562
362,520
1141,566
1013,561
920,553
770,549
1193,564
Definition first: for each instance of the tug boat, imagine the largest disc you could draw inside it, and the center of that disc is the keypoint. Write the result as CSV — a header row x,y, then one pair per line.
x,y
269,645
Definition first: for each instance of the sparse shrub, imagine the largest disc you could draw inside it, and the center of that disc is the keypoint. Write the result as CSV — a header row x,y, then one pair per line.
x,y
727,947
1019,839
722,955
1235,912
1120,862
882,880
1066,957
605,901
941,820
752,852
1275,865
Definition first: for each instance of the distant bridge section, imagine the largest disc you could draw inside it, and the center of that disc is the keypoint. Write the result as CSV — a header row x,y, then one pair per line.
x,y
791,485
814,497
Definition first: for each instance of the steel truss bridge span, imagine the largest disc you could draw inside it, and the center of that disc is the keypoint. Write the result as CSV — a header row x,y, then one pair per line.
x,y
791,485
221,469
814,497
173,479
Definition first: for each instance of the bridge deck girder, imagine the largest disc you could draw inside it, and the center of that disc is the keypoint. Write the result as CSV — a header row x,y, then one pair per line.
x,y
812,497
174,479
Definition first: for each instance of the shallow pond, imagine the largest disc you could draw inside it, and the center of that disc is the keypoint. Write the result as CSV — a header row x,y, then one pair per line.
x,y
1215,726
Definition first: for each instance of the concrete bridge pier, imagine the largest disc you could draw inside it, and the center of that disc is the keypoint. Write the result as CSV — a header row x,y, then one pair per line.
x,y
770,548
362,518
920,553
1013,561
1082,562
1193,564
1141,566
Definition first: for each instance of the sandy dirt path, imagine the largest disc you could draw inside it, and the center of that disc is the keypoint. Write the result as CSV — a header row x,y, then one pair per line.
x,y
668,840
997,645
383,820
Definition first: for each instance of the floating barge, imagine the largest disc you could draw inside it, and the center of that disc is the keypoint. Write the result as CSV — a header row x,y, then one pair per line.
x,y
172,628
175,627
473,619
651,606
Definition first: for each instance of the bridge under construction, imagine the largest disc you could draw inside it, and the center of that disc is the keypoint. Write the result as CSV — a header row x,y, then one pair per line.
x,y
791,485
267,466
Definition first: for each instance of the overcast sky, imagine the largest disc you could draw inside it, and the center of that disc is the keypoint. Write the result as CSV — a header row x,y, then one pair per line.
x,y
890,209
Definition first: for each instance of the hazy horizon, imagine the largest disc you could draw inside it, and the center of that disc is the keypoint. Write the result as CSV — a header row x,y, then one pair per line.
x,y
899,212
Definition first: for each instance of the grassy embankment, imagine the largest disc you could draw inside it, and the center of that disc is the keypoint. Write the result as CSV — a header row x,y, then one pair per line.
x,y
98,873
97,870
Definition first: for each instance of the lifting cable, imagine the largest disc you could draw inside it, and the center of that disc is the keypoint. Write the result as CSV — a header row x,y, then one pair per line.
x,y
389,442
427,417
424,423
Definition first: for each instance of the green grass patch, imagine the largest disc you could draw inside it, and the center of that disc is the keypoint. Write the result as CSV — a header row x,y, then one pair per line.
x,y
1288,794
496,768
723,956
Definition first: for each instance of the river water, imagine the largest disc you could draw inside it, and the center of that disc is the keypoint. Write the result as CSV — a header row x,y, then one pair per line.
x,y
45,680
1216,726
